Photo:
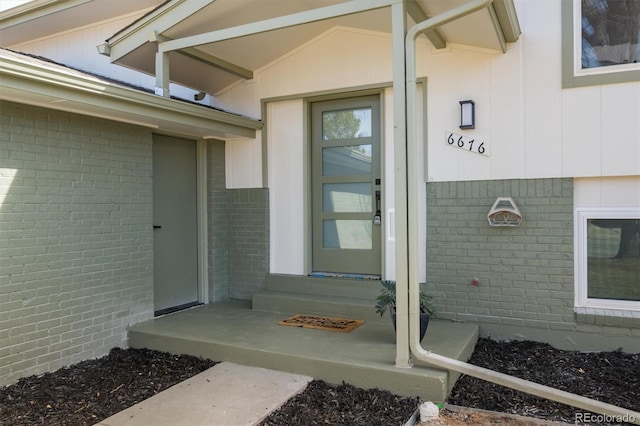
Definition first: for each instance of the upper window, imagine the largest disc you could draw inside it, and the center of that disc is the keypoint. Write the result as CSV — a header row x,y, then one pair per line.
x,y
608,259
601,42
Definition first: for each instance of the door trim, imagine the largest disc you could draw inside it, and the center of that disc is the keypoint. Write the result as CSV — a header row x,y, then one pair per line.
x,y
202,215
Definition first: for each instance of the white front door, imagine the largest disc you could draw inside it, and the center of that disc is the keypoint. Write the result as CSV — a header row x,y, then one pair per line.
x,y
175,233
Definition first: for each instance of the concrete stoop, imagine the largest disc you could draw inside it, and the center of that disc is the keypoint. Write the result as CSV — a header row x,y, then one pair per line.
x,y
248,333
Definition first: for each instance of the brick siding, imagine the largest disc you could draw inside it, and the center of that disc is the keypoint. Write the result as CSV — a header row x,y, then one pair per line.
x,y
525,273
218,223
76,248
248,240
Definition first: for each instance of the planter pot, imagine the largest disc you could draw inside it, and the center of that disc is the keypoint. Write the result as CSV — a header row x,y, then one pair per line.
x,y
424,322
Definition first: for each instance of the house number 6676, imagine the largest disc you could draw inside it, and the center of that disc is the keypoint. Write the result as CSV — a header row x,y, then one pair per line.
x,y
467,143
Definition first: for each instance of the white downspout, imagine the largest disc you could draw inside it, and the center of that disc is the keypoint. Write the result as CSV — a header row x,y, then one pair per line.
x,y
413,187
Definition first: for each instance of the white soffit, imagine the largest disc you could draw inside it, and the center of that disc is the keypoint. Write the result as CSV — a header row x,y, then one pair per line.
x,y
480,29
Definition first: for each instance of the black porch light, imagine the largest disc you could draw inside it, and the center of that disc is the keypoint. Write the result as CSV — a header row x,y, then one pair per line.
x,y
467,115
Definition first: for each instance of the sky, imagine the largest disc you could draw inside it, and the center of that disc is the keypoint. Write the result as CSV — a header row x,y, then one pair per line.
x,y
8,4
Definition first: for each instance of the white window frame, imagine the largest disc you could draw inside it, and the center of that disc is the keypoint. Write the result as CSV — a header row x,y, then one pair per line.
x,y
573,73
593,306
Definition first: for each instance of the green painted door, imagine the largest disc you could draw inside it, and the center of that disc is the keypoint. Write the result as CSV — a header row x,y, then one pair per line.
x,y
346,185
175,233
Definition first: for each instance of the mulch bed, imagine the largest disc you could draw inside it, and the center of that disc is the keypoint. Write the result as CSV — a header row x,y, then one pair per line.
x,y
612,377
93,390
323,404
90,391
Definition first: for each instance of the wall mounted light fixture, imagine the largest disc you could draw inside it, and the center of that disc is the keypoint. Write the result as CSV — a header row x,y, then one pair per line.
x,y
467,115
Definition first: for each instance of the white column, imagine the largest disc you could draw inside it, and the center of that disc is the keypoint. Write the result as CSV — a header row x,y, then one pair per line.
x,y
399,30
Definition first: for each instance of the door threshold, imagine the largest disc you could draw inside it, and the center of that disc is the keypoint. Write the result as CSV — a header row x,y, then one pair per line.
x,y
173,309
343,275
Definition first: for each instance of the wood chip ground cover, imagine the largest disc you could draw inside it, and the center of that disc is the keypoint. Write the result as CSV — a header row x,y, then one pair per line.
x,y
90,391
93,390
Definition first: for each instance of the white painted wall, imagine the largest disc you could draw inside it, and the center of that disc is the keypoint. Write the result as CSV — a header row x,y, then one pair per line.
x,y
286,188
342,57
609,192
532,127
288,156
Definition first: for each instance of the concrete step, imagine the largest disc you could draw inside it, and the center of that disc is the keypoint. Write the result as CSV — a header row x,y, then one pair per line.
x,y
311,304
326,286
346,298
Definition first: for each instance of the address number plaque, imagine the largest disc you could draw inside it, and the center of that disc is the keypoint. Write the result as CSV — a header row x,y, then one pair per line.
x,y
468,144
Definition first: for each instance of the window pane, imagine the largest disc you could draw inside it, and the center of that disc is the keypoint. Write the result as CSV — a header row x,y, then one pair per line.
x,y
346,197
346,160
613,249
610,31
346,124
347,234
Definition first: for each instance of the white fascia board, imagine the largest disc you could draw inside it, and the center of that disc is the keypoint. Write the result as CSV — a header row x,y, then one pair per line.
x,y
286,21
70,91
497,28
508,17
157,21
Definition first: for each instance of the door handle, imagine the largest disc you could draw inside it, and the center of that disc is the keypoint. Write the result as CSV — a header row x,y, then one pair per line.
x,y
157,227
377,218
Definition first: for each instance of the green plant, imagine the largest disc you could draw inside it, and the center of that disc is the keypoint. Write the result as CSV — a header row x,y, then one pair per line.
x,y
387,299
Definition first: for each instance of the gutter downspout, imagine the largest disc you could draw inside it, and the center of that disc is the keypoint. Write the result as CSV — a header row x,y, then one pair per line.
x,y
413,287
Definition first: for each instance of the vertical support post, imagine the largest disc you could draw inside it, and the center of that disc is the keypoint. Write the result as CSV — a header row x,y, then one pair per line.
x,y
399,30
162,74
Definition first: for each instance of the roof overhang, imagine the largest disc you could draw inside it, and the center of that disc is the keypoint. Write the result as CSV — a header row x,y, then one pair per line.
x,y
28,80
41,18
220,42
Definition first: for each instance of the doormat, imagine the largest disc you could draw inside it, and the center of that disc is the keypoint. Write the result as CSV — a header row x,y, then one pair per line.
x,y
340,325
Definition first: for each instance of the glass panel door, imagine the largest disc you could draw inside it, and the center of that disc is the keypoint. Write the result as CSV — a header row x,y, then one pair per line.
x,y
346,186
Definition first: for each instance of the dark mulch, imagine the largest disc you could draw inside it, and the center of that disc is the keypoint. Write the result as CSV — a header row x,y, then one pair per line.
x,y
93,390
612,377
323,404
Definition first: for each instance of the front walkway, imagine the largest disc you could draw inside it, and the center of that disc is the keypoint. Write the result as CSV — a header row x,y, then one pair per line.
x,y
248,396
232,331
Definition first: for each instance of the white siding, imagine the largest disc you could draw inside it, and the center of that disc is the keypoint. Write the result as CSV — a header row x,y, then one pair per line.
x,y
244,163
607,192
532,127
339,58
620,133
286,188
